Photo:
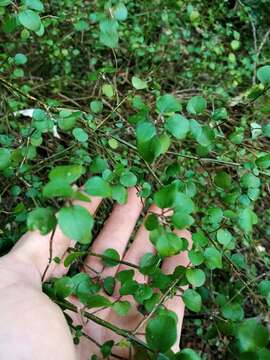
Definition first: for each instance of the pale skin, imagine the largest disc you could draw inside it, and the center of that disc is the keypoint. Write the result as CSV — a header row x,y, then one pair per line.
x,y
33,327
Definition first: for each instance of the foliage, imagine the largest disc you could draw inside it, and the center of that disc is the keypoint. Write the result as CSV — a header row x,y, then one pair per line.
x,y
170,96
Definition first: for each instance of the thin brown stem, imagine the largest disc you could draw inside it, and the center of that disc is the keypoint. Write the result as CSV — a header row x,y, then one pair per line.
x,y
50,255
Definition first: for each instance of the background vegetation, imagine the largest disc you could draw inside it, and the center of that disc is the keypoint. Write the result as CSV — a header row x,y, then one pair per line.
x,y
168,95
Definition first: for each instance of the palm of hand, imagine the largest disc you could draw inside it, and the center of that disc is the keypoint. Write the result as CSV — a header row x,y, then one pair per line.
x,y
115,234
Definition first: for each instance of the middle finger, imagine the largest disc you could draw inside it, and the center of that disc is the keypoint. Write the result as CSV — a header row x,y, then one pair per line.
x,y
115,233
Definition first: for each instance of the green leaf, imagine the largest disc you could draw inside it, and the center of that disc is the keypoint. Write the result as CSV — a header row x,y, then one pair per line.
x,y
233,311
121,307
106,349
213,258
5,158
145,131
178,126
220,114
160,280
249,180
80,135
206,136
74,256
81,25
120,12
63,287
20,59
96,106
93,301
138,83
29,19
184,203
263,161
149,304
264,287
5,2
128,179
98,165
264,354
160,144
224,237
68,173
57,188
252,335
196,105
263,74
76,223
42,219
34,5
39,114
108,91
151,222
84,287
129,287
110,258
109,39
67,120
125,275
196,257
109,285
168,104
195,277
266,130
169,244
165,197
149,263
142,293
182,220
97,186
187,354
155,330
108,33
223,180
192,300
246,219
120,194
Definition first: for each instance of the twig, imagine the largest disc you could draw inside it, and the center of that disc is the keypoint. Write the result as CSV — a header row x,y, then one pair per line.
x,y
96,342
29,97
50,255
229,163
153,173
119,331
144,320
113,111
117,261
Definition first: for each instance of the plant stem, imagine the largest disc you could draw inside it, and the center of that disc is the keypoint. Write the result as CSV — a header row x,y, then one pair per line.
x,y
121,332
117,261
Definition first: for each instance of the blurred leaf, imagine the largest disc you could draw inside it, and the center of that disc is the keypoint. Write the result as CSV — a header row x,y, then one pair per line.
x,y
168,104
76,223
252,335
192,300
213,258
155,330
178,126
138,83
196,105
42,219
29,19
96,186
263,74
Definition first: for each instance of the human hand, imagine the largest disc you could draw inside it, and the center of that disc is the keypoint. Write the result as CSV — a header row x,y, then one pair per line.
x,y
30,321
